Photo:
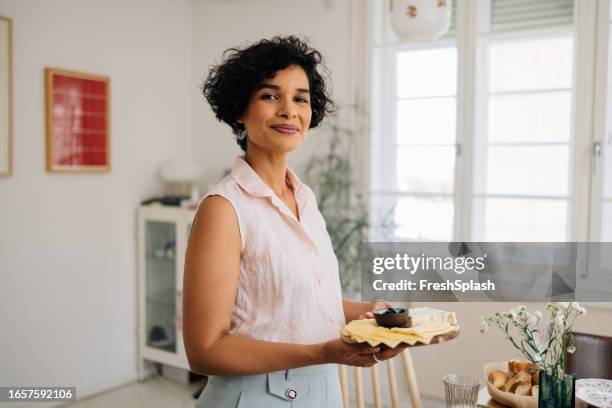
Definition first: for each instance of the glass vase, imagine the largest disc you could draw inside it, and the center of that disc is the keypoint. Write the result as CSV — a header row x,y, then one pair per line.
x,y
556,392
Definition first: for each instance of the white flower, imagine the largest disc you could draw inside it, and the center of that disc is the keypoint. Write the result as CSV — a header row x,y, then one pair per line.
x,y
523,316
542,338
579,309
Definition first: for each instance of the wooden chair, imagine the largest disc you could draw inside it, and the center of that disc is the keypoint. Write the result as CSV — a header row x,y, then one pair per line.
x,y
409,372
592,358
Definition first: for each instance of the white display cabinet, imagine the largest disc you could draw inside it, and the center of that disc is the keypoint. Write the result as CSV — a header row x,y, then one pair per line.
x,y
162,242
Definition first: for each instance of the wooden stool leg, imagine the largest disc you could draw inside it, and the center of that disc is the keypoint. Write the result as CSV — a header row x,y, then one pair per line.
x,y
413,388
344,386
376,387
392,383
358,388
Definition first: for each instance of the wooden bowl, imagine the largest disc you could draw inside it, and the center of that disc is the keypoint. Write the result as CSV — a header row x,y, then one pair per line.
x,y
503,397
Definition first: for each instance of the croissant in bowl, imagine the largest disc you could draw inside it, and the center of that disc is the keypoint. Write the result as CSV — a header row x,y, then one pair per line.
x,y
520,379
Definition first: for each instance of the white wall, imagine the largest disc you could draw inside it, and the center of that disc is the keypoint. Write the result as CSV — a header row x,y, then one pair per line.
x,y
67,241
218,25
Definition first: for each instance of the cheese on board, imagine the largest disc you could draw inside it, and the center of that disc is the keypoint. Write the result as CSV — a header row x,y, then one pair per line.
x,y
427,315
366,330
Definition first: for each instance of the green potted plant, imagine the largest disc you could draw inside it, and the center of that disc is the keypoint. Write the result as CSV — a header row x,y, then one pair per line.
x,y
330,174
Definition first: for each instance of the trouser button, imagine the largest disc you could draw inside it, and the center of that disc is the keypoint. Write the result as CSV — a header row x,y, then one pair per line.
x,y
291,394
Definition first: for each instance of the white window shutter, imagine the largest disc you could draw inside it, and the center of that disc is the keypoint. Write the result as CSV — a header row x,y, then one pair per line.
x,y
520,15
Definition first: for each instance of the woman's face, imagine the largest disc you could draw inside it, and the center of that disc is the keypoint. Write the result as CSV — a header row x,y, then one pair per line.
x,y
278,115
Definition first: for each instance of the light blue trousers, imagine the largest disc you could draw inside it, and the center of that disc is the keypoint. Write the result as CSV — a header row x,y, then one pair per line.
x,y
306,387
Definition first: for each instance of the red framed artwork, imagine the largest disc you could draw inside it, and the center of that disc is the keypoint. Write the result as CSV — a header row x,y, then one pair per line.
x,y
78,131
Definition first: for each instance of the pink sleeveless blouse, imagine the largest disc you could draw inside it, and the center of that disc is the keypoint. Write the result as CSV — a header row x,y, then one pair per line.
x,y
289,287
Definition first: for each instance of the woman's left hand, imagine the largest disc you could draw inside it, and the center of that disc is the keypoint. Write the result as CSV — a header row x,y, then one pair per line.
x,y
385,353
377,304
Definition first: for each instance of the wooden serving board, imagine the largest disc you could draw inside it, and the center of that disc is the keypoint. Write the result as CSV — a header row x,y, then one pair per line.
x,y
435,340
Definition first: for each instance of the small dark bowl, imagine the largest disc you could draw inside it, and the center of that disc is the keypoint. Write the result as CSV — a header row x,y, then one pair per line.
x,y
392,317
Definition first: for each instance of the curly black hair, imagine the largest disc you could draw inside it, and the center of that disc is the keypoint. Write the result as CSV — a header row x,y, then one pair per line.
x,y
231,83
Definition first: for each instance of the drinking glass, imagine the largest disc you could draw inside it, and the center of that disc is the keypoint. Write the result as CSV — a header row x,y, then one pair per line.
x,y
461,390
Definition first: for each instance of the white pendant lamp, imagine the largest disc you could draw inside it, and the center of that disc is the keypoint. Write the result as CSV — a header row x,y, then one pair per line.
x,y
420,20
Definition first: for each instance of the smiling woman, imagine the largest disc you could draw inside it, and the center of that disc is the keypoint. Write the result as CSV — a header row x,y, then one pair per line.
x,y
279,106
231,86
262,305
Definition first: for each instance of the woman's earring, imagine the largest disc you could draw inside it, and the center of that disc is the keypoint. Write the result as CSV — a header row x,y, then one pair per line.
x,y
241,134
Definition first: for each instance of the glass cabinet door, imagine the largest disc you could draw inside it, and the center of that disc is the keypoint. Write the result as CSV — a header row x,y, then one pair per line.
x,y
160,241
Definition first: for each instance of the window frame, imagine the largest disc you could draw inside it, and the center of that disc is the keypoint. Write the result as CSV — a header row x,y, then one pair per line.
x,y
600,120
384,135
481,102
468,42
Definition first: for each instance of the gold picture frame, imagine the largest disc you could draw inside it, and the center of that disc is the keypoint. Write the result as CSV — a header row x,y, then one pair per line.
x,y
6,96
77,121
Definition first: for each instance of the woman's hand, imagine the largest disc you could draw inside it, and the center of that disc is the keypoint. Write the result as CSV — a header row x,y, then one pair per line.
x,y
378,304
359,354
338,351
387,352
